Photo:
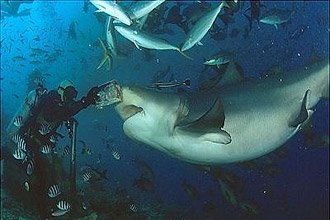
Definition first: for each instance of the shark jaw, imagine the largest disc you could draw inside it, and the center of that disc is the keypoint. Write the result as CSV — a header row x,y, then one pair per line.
x,y
255,122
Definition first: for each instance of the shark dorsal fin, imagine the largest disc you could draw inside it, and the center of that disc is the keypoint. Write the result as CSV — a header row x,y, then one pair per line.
x,y
232,74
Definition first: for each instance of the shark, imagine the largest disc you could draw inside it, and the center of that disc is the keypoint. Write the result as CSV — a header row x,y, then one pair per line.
x,y
239,121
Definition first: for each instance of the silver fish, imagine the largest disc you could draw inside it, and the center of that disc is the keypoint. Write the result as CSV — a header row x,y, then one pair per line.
x,y
45,129
18,121
30,167
19,154
202,26
113,9
142,39
141,8
21,144
46,149
63,205
116,154
54,191
277,16
59,212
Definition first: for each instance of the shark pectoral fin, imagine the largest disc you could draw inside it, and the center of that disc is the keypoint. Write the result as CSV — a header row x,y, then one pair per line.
x,y
136,45
303,114
199,43
276,26
220,137
104,59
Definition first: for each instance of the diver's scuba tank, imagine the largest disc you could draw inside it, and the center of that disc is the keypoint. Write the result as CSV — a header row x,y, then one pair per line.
x,y
25,110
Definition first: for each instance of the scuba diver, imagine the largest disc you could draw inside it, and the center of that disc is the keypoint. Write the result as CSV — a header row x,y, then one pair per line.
x,y
34,130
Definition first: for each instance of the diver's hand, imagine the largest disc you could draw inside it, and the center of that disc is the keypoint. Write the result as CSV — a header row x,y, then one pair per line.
x,y
91,96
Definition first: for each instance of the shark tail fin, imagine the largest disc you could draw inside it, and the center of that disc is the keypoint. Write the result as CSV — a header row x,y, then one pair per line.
x,y
105,57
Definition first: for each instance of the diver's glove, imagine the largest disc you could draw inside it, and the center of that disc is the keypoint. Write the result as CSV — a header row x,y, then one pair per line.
x,y
91,96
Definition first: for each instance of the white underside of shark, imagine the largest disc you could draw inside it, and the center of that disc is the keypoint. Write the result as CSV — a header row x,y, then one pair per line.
x,y
257,116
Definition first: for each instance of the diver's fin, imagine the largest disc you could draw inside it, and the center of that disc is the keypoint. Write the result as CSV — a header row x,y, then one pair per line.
x,y
231,75
209,125
303,114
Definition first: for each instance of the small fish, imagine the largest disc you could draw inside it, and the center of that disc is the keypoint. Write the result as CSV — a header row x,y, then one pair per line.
x,y
63,205
39,80
133,208
18,58
19,154
116,154
46,149
30,167
87,176
44,129
54,191
160,85
52,138
66,151
86,150
21,144
18,121
59,212
16,138
26,186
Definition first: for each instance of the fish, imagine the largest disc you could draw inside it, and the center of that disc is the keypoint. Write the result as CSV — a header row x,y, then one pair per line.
x,y
85,149
19,154
26,186
111,38
142,39
144,184
21,144
86,176
144,168
113,9
18,121
116,154
63,205
233,123
18,58
97,175
45,129
220,58
191,190
277,16
66,151
52,138
46,149
298,32
201,27
59,212
142,8
133,207
254,12
160,85
228,193
30,167
54,191
16,138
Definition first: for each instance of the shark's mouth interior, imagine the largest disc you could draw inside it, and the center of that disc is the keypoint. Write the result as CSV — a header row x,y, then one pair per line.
x,y
131,110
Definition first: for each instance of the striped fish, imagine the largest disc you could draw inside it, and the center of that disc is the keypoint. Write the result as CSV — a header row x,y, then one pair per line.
x,y
30,167
16,138
54,191
52,138
87,176
59,212
132,207
18,121
21,144
45,129
116,154
66,151
46,149
63,205
19,154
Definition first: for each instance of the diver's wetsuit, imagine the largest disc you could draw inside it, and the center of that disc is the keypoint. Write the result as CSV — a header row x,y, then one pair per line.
x,y
50,110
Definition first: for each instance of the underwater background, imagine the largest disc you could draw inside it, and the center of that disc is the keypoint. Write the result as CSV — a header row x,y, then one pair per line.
x,y
58,40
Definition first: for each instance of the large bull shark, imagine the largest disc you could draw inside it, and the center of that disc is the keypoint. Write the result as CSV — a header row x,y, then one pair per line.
x,y
237,122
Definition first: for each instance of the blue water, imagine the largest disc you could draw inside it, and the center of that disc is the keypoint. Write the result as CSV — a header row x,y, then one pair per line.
x,y
302,184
